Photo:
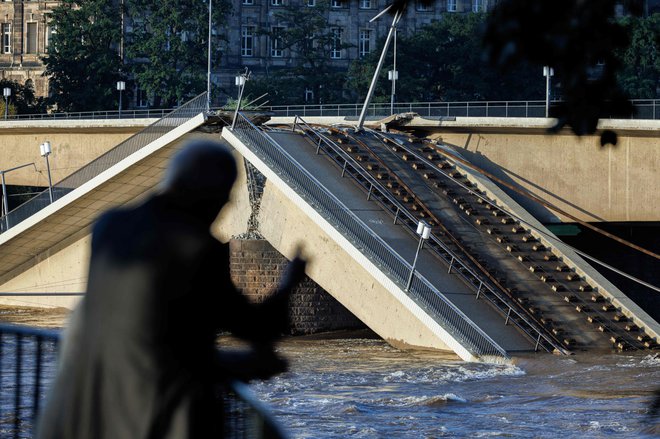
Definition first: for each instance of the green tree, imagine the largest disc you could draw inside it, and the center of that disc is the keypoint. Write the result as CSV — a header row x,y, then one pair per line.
x,y
443,61
310,39
83,59
22,100
168,46
640,75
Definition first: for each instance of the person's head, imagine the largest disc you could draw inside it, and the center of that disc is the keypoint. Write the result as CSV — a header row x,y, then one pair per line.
x,y
200,177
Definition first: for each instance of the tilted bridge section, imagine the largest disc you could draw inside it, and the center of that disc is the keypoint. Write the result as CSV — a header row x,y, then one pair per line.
x,y
488,283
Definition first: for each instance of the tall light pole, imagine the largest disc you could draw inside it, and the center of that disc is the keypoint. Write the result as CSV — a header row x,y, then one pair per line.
x,y
45,152
393,75
6,92
381,61
121,86
424,232
208,68
5,203
240,82
548,72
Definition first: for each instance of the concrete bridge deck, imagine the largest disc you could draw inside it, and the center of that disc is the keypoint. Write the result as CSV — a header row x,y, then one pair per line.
x,y
30,250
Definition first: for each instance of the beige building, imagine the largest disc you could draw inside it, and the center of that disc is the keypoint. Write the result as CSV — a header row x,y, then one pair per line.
x,y
25,33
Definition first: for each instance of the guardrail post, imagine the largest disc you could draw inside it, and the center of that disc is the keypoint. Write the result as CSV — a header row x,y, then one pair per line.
x,y
295,121
343,170
318,147
371,188
538,341
396,216
481,284
508,315
451,263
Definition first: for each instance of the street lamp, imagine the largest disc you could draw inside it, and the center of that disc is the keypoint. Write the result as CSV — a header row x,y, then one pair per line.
x,y
121,86
548,72
5,203
6,92
393,75
240,82
45,152
424,232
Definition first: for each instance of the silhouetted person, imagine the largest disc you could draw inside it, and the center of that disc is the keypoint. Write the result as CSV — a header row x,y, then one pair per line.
x,y
140,358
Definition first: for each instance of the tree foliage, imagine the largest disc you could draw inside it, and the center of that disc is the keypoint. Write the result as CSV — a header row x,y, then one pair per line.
x,y
83,59
640,75
443,62
309,38
169,46
22,100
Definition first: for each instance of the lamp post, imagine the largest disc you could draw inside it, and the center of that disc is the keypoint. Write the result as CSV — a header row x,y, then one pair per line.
x,y
381,61
45,152
5,203
240,82
424,232
208,67
121,86
393,75
548,72
6,92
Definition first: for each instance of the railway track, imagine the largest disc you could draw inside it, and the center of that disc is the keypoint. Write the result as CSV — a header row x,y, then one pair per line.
x,y
547,296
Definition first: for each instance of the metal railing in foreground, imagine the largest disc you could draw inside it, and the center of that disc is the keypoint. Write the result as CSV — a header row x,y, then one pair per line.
x,y
377,192
28,363
107,160
441,310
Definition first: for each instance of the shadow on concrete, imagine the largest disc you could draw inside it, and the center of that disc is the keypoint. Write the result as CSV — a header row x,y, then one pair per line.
x,y
539,211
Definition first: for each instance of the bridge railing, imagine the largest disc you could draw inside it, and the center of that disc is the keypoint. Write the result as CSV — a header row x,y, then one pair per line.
x,y
106,161
28,364
643,109
455,262
452,319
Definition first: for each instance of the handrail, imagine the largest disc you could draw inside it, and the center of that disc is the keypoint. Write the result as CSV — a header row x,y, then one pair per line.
x,y
453,320
461,269
131,145
32,367
642,109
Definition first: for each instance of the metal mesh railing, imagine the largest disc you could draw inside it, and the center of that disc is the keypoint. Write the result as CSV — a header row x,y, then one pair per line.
x,y
642,109
107,160
441,310
28,364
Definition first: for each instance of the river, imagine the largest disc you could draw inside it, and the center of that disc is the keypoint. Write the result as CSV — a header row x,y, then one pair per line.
x,y
364,388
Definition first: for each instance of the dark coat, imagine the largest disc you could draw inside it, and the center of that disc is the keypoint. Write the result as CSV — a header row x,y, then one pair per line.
x,y
141,361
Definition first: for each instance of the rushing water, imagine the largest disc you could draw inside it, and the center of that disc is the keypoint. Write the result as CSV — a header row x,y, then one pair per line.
x,y
363,388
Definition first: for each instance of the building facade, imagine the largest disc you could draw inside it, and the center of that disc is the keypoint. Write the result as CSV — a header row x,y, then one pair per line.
x,y
25,33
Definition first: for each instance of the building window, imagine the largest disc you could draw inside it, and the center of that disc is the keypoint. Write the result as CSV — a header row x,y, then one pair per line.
x,y
6,37
364,45
335,53
365,4
276,2
31,38
423,7
451,6
311,3
309,95
477,5
51,30
248,2
336,3
247,40
276,43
